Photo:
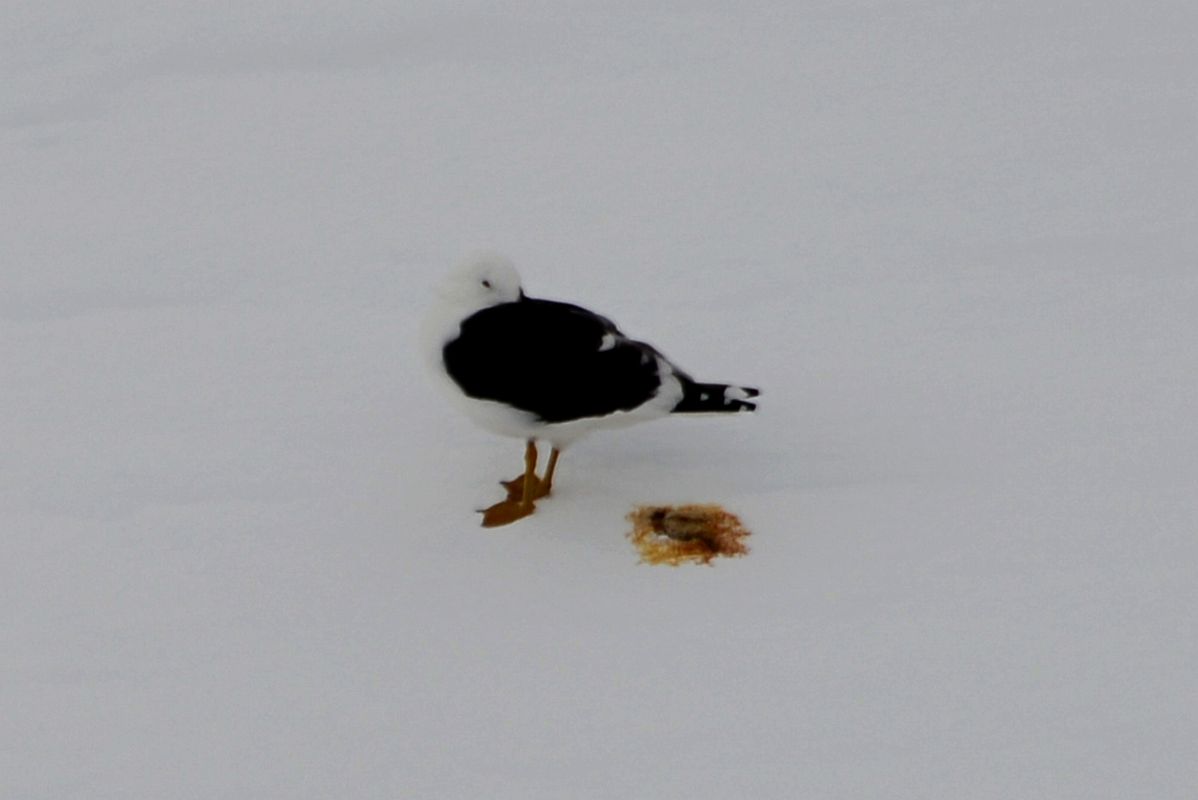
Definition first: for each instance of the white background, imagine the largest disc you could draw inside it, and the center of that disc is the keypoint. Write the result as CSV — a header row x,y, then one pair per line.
x,y
953,242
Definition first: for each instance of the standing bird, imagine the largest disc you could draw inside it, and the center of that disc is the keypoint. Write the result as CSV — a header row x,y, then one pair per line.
x,y
540,369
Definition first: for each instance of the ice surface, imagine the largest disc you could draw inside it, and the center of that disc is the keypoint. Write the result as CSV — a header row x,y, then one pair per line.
x,y
954,244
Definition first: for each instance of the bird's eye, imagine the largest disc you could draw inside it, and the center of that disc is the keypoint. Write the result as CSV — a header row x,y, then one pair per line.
x,y
487,284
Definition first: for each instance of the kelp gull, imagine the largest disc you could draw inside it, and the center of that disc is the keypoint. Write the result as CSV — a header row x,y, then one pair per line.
x,y
540,369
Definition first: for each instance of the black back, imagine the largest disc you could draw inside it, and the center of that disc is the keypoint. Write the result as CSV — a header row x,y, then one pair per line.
x,y
544,357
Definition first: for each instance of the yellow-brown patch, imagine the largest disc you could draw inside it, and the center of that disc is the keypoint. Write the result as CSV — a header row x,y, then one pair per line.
x,y
694,533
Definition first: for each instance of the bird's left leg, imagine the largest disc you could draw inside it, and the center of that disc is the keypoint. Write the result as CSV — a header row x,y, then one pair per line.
x,y
515,487
547,481
513,509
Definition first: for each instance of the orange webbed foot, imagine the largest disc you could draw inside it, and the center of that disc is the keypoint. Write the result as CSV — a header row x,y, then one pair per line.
x,y
506,512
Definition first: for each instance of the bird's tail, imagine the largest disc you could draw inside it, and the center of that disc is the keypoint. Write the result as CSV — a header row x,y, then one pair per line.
x,y
706,398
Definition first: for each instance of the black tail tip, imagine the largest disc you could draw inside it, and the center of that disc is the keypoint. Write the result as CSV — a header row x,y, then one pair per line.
x,y
700,398
744,404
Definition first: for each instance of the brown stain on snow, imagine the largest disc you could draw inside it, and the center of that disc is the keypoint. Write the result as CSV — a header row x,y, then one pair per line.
x,y
694,533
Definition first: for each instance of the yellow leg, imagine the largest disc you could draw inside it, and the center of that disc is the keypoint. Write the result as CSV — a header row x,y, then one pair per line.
x,y
515,508
530,476
547,481
541,487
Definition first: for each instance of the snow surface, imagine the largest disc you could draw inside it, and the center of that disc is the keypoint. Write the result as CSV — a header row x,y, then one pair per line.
x,y
953,242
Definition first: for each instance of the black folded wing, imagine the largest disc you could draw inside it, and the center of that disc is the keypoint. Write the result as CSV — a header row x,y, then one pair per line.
x,y
557,361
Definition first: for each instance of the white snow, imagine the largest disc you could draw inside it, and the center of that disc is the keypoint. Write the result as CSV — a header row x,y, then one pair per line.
x,y
953,243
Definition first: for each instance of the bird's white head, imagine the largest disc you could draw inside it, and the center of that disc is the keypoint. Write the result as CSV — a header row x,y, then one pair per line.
x,y
482,280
